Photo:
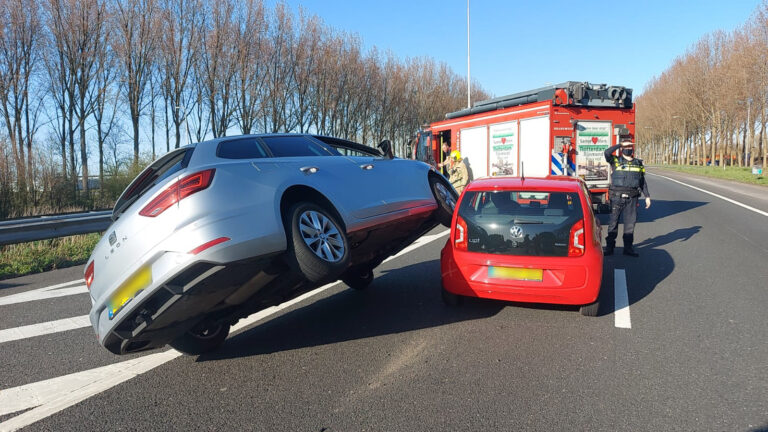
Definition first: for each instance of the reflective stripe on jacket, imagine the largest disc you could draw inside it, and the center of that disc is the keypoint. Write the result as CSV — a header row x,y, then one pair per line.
x,y
627,174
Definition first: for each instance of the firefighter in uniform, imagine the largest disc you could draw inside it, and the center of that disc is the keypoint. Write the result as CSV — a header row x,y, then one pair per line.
x,y
458,174
627,182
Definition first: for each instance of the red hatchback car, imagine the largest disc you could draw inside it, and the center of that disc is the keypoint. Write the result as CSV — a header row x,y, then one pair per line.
x,y
524,240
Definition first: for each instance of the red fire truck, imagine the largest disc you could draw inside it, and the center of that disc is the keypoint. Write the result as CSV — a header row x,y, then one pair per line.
x,y
551,131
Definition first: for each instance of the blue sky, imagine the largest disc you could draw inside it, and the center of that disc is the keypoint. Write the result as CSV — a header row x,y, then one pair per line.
x,y
520,45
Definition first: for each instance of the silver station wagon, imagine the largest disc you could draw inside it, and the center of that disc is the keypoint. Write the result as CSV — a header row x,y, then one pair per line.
x,y
213,232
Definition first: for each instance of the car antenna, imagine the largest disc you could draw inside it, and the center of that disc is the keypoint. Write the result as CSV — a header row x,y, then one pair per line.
x,y
522,171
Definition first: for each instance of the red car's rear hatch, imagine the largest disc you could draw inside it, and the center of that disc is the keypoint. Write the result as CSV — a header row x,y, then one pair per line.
x,y
524,238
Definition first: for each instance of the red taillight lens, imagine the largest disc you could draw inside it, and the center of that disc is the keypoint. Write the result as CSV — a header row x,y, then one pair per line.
x,y
178,191
460,234
89,275
576,239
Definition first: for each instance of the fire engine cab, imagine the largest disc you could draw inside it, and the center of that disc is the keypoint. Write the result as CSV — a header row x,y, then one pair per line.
x,y
559,130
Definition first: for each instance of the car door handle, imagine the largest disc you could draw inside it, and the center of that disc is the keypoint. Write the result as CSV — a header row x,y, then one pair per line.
x,y
366,167
308,170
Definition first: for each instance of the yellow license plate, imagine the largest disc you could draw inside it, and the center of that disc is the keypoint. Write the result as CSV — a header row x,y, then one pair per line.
x,y
129,289
515,273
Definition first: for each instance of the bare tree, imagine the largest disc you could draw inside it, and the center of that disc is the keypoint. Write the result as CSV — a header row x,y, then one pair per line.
x,y
135,43
19,37
180,47
217,64
251,55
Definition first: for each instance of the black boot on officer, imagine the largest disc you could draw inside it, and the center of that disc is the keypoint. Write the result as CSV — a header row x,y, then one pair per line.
x,y
610,244
628,250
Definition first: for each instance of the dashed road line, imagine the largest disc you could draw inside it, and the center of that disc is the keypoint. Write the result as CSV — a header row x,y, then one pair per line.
x,y
621,300
60,290
34,330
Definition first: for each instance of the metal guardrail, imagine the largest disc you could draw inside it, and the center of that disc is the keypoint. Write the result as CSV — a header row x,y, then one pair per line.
x,y
46,227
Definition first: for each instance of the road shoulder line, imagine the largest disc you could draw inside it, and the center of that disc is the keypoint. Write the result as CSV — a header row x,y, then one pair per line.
x,y
732,201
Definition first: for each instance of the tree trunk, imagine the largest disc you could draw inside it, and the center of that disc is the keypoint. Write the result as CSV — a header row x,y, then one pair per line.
x,y
83,150
135,123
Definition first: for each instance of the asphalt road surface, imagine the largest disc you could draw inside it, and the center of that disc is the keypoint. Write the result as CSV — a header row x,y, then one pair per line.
x,y
681,343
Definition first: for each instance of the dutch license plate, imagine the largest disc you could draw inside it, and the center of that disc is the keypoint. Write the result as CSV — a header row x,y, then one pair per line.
x,y
132,287
515,273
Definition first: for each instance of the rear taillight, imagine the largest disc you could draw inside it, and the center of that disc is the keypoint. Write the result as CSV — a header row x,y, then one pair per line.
x,y
89,275
576,239
177,191
460,234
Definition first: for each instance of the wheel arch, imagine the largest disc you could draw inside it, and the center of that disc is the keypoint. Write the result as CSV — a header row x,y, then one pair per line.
x,y
298,193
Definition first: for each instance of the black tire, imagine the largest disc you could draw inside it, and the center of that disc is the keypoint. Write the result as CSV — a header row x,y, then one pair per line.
x,y
446,198
202,338
328,256
358,278
590,310
450,298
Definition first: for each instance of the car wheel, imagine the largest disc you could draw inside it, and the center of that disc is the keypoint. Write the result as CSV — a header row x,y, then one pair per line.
x,y
319,246
450,298
446,198
358,278
590,309
202,338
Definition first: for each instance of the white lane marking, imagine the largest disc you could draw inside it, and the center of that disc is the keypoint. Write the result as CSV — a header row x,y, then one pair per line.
x,y
245,322
45,328
758,211
621,300
50,292
56,394
53,395
417,244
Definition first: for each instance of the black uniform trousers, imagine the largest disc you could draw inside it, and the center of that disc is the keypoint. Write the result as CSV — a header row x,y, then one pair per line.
x,y
626,206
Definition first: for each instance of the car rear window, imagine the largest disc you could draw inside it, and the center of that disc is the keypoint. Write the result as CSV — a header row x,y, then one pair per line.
x,y
246,148
292,146
526,223
158,171
348,148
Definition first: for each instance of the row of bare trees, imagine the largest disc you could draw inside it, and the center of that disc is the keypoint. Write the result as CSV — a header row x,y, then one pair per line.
x,y
81,78
711,105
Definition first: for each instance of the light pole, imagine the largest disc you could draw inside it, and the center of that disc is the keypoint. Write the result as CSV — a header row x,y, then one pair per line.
x,y
469,81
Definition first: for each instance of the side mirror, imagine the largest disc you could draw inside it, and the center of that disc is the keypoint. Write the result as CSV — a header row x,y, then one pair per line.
x,y
386,149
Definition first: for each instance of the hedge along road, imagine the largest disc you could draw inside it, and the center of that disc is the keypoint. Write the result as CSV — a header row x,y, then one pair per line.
x,y
394,358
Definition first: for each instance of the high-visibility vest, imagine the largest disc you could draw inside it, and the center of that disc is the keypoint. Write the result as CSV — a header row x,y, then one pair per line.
x,y
627,174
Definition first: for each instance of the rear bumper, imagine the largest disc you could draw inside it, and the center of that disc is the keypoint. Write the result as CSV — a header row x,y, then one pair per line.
x,y
175,305
180,290
470,279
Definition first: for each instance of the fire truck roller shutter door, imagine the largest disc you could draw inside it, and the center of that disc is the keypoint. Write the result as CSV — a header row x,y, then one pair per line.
x,y
534,146
474,150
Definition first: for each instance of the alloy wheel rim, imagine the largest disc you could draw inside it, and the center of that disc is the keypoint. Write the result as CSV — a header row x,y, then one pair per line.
x,y
445,195
321,236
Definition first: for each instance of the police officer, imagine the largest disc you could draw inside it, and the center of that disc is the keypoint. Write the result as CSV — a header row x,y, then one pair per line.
x,y
627,182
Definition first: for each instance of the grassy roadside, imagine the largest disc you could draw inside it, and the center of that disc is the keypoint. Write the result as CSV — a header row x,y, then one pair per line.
x,y
743,175
41,256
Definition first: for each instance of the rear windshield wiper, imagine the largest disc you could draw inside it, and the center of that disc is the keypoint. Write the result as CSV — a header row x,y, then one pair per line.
x,y
521,222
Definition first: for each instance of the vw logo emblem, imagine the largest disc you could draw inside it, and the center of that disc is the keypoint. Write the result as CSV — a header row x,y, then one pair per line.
x,y
516,231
